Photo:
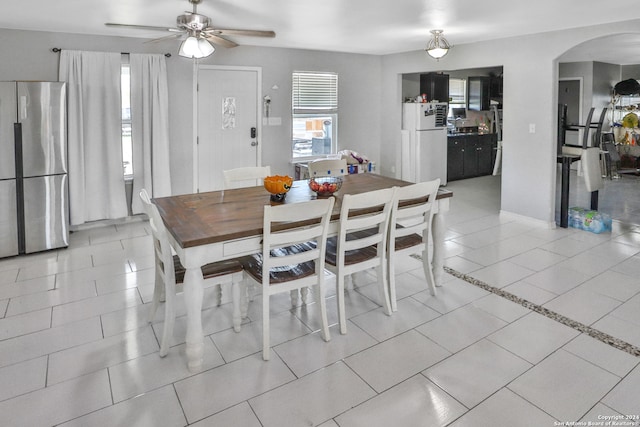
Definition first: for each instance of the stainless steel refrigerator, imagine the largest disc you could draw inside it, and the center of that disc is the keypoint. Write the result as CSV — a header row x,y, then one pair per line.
x,y
34,209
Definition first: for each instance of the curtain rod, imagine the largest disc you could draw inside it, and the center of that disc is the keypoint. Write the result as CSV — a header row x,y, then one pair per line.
x,y
57,50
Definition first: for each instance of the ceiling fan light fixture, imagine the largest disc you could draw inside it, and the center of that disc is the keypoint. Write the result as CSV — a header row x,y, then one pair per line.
x,y
196,47
438,46
205,47
201,37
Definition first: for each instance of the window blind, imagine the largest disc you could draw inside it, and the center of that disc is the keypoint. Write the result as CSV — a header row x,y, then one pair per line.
x,y
457,91
315,91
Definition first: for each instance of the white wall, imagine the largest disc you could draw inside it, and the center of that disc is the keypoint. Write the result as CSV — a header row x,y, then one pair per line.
x,y
630,72
585,71
370,95
605,76
530,96
358,92
26,55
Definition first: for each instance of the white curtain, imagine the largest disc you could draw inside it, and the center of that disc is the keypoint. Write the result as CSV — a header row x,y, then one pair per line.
x,y
149,127
96,178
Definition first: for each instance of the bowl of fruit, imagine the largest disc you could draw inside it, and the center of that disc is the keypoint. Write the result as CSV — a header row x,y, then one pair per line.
x,y
278,186
325,186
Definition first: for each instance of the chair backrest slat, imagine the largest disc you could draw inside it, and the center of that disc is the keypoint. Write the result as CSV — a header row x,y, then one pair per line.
x,y
327,167
246,176
314,235
299,235
375,223
415,217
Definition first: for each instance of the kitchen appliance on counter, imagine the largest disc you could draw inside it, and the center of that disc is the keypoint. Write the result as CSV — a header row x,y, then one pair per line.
x,y
423,148
34,210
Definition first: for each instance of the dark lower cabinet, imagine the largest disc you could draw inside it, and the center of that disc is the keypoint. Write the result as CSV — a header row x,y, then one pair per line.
x,y
469,156
455,158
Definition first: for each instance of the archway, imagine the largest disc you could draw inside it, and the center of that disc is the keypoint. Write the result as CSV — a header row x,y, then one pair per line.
x,y
600,63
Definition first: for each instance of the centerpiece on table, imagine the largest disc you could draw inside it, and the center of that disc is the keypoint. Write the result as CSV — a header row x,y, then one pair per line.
x,y
278,186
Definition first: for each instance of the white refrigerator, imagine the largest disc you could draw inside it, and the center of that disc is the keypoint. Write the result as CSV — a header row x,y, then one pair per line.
x,y
423,150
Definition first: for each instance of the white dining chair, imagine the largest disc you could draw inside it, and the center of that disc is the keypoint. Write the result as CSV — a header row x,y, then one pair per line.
x,y
248,176
327,167
292,259
361,244
409,228
169,273
245,177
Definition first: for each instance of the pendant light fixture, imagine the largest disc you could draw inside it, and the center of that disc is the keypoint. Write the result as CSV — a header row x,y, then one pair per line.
x,y
438,46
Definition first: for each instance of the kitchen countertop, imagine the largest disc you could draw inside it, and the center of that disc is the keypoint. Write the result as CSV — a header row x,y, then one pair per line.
x,y
469,133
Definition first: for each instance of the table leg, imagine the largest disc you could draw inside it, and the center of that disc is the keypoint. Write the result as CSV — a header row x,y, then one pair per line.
x,y
564,195
193,293
438,228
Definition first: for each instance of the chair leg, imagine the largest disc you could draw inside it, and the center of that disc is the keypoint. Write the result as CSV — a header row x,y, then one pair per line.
x,y
244,299
169,320
237,316
350,281
322,305
218,293
293,294
342,316
251,293
160,283
428,271
158,293
304,294
383,287
265,326
391,270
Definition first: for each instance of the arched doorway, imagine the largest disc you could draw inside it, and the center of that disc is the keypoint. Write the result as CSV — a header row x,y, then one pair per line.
x,y
599,64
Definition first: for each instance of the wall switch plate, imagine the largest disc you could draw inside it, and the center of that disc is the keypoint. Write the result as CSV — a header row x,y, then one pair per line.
x,y
532,128
275,121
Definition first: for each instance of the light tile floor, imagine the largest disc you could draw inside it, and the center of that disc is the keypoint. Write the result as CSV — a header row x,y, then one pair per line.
x,y
76,349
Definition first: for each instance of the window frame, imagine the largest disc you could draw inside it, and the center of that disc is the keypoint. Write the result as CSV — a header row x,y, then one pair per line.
x,y
457,100
303,108
125,100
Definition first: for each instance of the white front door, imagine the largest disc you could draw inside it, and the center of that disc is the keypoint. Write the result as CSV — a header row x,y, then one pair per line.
x,y
228,122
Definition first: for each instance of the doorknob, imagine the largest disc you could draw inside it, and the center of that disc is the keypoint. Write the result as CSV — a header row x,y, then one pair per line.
x,y
254,143
253,132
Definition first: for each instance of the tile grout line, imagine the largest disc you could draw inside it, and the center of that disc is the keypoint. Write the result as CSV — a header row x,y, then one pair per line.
x,y
581,327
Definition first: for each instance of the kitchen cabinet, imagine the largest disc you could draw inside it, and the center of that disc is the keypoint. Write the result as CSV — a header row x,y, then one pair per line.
x,y
470,155
478,97
482,90
435,86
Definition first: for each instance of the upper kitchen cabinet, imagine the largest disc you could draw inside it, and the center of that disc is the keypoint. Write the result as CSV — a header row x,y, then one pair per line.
x,y
483,90
435,86
478,96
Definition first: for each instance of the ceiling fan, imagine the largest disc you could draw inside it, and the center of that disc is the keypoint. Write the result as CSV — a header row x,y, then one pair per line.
x,y
200,35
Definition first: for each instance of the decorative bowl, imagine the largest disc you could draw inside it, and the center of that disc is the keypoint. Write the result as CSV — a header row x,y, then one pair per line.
x,y
278,186
325,186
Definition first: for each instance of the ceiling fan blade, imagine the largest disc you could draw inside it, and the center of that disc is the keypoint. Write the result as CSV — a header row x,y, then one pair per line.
x,y
217,40
161,39
143,27
232,32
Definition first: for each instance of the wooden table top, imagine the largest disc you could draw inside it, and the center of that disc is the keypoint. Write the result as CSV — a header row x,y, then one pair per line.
x,y
218,216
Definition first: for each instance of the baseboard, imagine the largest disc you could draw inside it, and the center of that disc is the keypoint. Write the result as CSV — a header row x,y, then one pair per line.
x,y
522,218
107,222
